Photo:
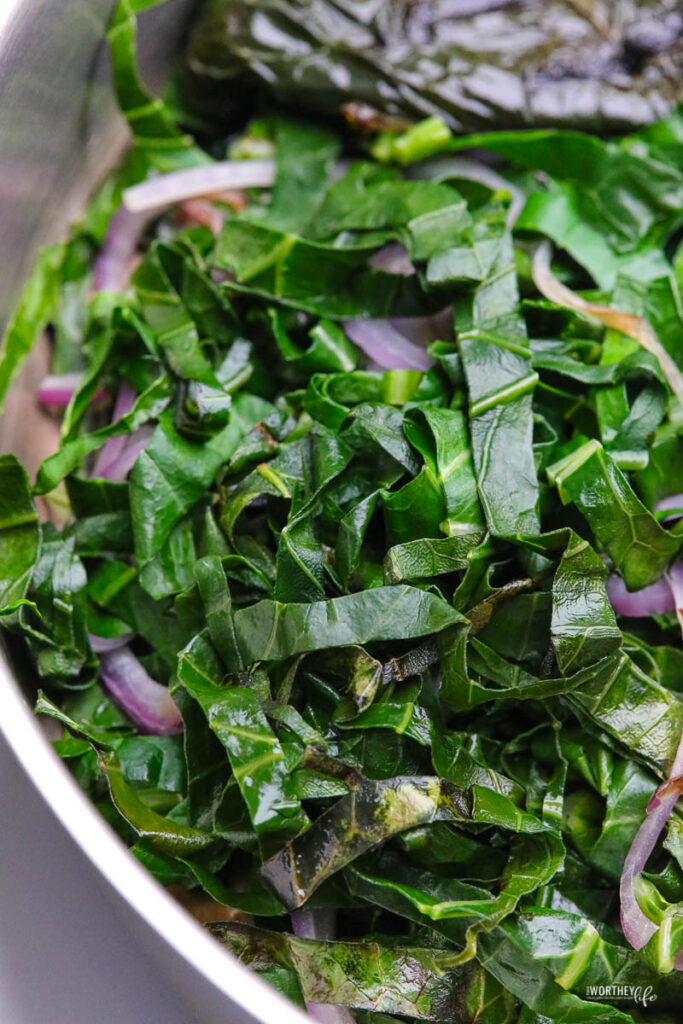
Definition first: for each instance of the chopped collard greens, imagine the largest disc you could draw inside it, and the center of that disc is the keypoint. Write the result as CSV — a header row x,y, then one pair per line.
x,y
355,577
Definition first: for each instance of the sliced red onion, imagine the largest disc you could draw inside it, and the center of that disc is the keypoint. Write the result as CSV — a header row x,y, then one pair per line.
x,y
58,388
111,449
386,346
320,924
313,924
675,577
125,400
394,259
653,600
105,644
422,330
121,241
147,703
201,211
156,193
118,469
675,502
415,329
327,1013
472,170
637,927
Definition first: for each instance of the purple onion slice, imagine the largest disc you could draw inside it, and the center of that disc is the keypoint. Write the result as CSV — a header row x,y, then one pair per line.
x,y
164,190
637,927
147,703
653,600
58,388
120,466
675,501
121,241
386,346
111,449
675,578
105,644
394,259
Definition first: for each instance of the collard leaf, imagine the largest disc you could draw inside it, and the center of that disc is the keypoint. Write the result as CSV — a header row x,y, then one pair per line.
x,y
484,69
256,756
441,436
270,630
36,307
640,547
215,594
169,837
56,625
305,155
422,559
533,862
497,363
171,475
163,145
418,982
369,815
328,282
175,332
19,533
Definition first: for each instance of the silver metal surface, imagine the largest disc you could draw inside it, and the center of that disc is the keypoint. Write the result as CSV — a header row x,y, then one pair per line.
x,y
86,934
58,130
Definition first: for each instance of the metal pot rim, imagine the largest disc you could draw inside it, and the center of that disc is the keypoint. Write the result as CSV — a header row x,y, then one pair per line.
x,y
136,886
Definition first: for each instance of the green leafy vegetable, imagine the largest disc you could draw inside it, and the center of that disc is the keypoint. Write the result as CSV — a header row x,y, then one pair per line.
x,y
419,982
36,308
256,756
154,130
486,67
19,534
369,815
270,630
169,837
640,547
389,622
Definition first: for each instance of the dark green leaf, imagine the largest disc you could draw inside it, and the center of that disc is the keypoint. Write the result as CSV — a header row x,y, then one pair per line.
x,y
640,547
167,836
255,754
19,533
369,815
270,630
36,307
327,282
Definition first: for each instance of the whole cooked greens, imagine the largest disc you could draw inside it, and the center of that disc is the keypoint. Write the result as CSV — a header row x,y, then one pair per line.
x,y
355,578
605,65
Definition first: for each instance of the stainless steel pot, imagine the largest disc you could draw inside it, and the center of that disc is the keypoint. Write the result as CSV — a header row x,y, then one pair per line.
x,y
86,935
